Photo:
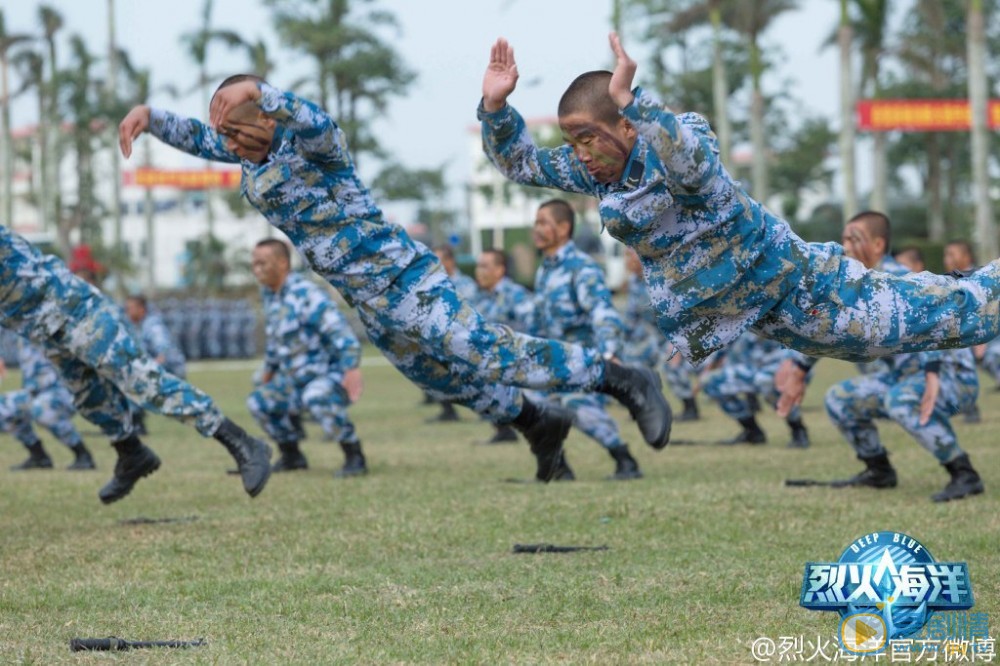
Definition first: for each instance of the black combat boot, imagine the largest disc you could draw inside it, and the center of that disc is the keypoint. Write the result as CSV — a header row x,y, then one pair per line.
x,y
37,458
82,458
446,415
638,389
354,461
626,466
504,434
139,423
291,458
560,471
878,473
690,412
752,434
297,426
800,436
135,460
965,480
253,457
545,426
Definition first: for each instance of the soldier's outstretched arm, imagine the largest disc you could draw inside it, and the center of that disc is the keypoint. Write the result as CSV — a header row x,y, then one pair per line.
x,y
187,134
691,157
506,139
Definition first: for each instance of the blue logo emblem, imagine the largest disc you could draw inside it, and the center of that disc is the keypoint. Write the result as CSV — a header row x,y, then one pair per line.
x,y
885,586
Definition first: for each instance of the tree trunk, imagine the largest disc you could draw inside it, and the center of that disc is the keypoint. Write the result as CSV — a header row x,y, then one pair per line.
x,y
42,200
936,230
759,175
985,230
844,38
720,94
880,167
54,200
6,147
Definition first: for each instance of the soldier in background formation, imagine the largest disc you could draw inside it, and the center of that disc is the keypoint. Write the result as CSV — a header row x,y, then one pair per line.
x,y
42,399
960,260
646,345
749,367
157,341
312,363
573,303
500,300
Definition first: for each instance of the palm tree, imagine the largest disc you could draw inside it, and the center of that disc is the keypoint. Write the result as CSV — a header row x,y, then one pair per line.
x,y
197,44
930,48
845,37
752,19
986,236
50,157
30,66
711,11
7,42
870,32
354,65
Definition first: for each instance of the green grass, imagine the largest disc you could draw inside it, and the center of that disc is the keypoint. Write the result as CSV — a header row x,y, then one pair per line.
x,y
413,564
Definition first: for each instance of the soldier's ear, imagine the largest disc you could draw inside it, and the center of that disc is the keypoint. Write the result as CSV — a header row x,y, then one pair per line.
x,y
627,129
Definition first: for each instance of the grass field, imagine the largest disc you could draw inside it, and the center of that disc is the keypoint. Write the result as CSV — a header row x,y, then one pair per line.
x,y
413,564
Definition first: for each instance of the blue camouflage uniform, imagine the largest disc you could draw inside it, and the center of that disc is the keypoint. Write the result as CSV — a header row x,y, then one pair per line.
x,y
991,360
749,367
896,392
645,344
159,343
42,399
84,335
466,287
718,263
507,303
572,302
308,188
893,390
309,346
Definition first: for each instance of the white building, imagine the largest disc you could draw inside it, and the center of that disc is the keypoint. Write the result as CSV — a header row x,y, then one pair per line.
x,y
498,206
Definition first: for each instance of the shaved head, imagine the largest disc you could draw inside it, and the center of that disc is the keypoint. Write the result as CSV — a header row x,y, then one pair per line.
x,y
589,94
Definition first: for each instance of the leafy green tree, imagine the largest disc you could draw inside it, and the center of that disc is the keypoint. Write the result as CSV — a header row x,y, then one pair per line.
x,y
356,66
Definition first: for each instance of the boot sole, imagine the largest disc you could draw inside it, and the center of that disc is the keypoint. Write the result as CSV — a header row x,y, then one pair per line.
x,y
146,472
942,500
265,456
661,439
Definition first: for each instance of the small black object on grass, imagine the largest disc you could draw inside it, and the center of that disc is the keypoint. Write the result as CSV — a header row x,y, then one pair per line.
x,y
551,548
115,644
143,520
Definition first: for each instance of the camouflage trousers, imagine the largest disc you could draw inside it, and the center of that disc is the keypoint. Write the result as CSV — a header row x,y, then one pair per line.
x,y
841,309
445,347
82,332
677,377
272,403
590,415
729,385
854,404
52,409
991,360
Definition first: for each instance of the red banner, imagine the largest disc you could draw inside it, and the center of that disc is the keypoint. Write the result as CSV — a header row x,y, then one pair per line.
x,y
921,115
185,179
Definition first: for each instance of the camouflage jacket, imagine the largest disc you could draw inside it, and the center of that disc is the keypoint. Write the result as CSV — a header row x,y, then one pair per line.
x,y
714,259
306,335
157,341
572,302
308,188
507,303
